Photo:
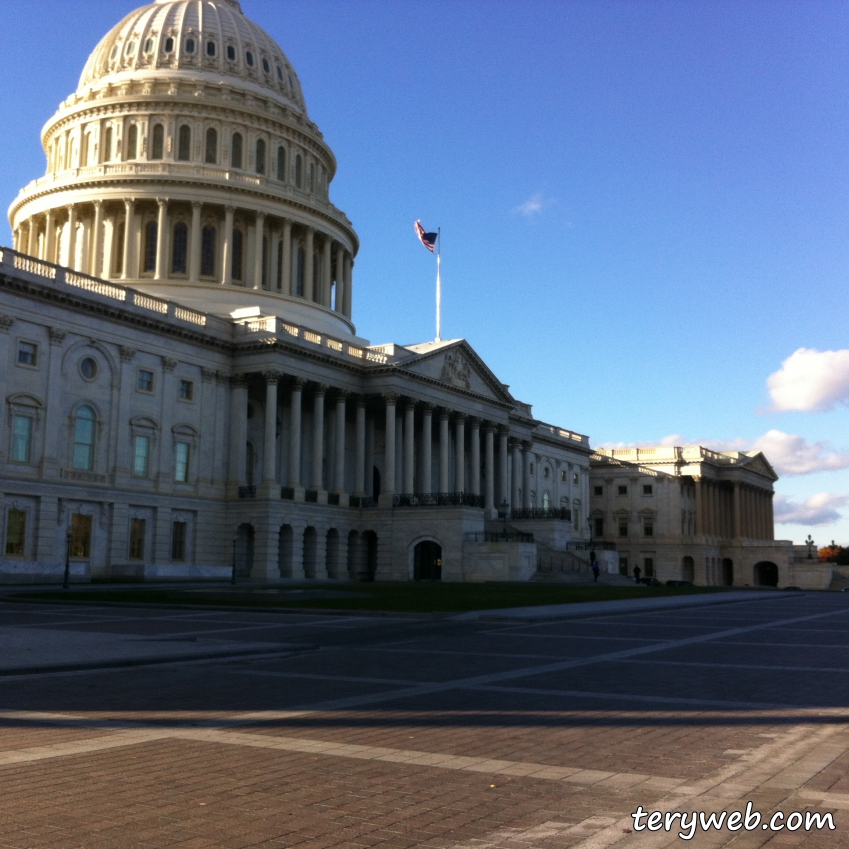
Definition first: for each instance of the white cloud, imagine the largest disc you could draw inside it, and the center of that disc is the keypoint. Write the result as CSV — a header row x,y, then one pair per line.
x,y
533,205
788,453
811,380
819,509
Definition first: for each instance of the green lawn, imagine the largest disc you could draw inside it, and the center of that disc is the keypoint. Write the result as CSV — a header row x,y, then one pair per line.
x,y
405,597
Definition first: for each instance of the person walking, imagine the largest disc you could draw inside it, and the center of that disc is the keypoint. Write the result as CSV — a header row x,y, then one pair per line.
x,y
637,573
596,570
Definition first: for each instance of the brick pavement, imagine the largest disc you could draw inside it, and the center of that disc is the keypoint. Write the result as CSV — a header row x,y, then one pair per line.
x,y
434,734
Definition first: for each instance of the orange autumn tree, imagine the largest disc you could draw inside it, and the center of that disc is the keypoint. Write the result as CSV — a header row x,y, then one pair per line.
x,y
834,554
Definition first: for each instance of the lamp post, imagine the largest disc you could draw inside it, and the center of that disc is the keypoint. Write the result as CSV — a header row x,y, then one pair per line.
x,y
67,580
810,543
233,575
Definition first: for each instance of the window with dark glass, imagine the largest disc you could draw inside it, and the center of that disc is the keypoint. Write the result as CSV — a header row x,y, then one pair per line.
x,y
210,48
118,253
279,280
187,390
80,536
157,145
21,439
648,567
88,368
598,526
107,145
260,156
178,541
190,46
84,421
299,272
151,235
180,253
299,171
598,490
648,527
212,146
141,456
249,58
148,45
207,252
281,164
279,73
623,490
623,527
236,151
169,45
265,66
145,380
16,532
27,353
231,53
132,141
647,489
184,143
137,534
181,462
238,240
312,177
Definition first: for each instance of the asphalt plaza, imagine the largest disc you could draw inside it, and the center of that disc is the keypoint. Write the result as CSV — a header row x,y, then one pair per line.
x,y
217,728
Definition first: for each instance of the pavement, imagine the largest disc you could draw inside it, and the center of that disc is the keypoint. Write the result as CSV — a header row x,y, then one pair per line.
x,y
348,731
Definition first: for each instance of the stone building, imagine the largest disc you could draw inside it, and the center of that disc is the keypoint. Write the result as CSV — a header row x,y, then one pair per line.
x,y
689,513
183,382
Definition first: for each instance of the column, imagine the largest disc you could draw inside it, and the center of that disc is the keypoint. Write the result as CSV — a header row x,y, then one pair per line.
x,y
286,270
460,453
49,237
72,237
273,268
770,517
95,267
700,519
475,470
259,249
269,452
527,479
227,252
340,441
295,437
194,244
340,278
443,451
32,248
409,448
129,210
360,451
316,481
489,467
387,495
516,495
238,432
503,493
309,293
425,474
326,275
162,239
349,283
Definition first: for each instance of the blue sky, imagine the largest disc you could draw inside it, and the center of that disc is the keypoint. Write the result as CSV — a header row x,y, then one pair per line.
x,y
644,204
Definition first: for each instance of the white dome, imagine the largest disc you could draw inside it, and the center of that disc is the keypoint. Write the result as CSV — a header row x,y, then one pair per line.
x,y
194,39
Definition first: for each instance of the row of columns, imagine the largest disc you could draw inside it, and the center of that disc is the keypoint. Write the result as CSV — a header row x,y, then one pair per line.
x,y
741,511
99,260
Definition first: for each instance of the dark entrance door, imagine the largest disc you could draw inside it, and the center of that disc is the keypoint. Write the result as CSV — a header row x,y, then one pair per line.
x,y
766,574
427,561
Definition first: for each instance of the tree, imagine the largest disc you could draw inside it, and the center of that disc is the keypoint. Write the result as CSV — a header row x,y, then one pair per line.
x,y
834,553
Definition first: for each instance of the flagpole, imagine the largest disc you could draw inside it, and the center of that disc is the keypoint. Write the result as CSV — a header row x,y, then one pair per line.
x,y
438,284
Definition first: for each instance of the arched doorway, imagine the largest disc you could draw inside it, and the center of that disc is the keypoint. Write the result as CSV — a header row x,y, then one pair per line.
x,y
332,555
427,561
244,550
766,574
688,570
728,572
286,551
375,483
370,540
310,551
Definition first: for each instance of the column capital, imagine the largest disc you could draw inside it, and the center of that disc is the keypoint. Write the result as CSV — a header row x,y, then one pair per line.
x,y
160,201
391,398
474,422
361,401
503,430
126,353
230,208
196,204
260,216
70,207
341,395
298,383
460,418
410,404
168,364
489,427
321,388
97,203
445,414
272,376
238,380
427,408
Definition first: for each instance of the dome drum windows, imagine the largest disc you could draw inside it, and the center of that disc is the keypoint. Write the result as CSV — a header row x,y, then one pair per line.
x,y
211,49
266,66
281,164
211,146
236,151
169,45
260,156
132,142
157,145
191,45
249,58
299,171
184,143
151,243
238,255
231,53
207,251
180,249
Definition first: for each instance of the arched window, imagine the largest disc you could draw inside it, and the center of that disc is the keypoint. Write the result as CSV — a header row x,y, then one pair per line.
x,y
312,177
207,252
118,253
190,46
181,248
150,243
132,141
169,45
210,48
281,164
84,439
279,280
299,171
157,146
236,151
238,245
184,143
107,145
84,153
546,501
299,272
212,146
260,156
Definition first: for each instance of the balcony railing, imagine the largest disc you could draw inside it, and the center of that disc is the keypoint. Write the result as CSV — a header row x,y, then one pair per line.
x,y
365,502
509,536
439,499
247,492
563,514
311,496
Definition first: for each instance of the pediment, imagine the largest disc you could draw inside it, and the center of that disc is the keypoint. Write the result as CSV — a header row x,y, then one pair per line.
x,y
759,464
455,364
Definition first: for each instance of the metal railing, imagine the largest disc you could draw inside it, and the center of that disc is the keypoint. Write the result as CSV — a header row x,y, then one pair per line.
x,y
311,496
439,499
489,536
247,492
564,514
365,502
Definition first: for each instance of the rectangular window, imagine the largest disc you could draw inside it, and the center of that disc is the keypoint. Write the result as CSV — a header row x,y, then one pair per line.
x,y
563,477
27,353
530,468
598,525
647,489
141,456
145,381
16,529
623,490
648,567
623,527
575,479
137,532
598,490
181,462
80,536
21,439
178,541
187,390
623,565
648,527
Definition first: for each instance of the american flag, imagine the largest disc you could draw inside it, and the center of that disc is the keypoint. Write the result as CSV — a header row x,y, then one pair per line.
x,y
427,239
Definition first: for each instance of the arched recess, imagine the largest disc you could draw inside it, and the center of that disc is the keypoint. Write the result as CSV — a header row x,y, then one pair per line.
x,y
727,572
310,551
688,570
426,559
244,550
370,546
286,551
333,554
765,574
100,354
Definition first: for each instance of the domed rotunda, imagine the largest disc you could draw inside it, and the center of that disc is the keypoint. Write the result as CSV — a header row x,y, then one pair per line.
x,y
186,166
